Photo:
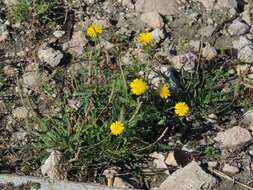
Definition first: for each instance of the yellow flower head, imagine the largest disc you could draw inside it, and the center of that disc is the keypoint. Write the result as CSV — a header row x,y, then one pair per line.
x,y
117,128
181,109
138,87
164,92
145,38
94,30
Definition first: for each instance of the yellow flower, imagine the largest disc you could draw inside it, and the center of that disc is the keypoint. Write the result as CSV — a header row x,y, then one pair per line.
x,y
181,109
117,128
138,87
145,38
164,92
94,30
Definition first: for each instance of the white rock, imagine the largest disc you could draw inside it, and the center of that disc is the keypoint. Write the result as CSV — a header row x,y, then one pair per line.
x,y
31,79
10,71
230,169
120,183
2,107
152,19
245,49
20,113
159,159
209,52
51,166
233,137
50,56
218,4
191,177
246,15
4,33
238,28
76,44
247,120
128,4
59,33
187,61
164,7
212,164
158,35
195,45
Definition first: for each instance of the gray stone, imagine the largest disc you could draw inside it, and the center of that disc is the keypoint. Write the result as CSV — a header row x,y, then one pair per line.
x,y
4,33
233,137
186,61
230,169
247,120
191,177
164,7
209,52
158,35
152,19
245,49
212,164
218,4
20,113
76,44
59,33
46,184
50,56
238,28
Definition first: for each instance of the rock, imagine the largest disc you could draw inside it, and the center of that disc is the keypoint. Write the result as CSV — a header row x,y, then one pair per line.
x,y
31,79
59,33
207,31
4,33
238,28
212,164
159,159
158,35
218,4
152,19
178,158
164,7
246,15
187,61
212,118
191,177
50,56
247,120
51,166
127,3
2,108
209,52
120,183
230,169
233,137
195,45
10,71
74,104
245,49
76,44
20,113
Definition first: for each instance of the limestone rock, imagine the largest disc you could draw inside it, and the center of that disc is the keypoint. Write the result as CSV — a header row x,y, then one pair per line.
x,y
233,137
51,166
191,177
50,56
230,169
238,28
152,19
187,61
164,7
20,113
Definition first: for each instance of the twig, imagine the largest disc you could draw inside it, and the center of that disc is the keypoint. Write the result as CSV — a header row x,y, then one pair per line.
x,y
157,140
76,156
223,175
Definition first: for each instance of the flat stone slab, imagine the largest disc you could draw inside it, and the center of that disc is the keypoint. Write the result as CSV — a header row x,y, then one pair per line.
x,y
191,177
47,184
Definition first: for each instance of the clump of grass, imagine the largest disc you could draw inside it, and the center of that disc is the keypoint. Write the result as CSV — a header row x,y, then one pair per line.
x,y
122,117
26,10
